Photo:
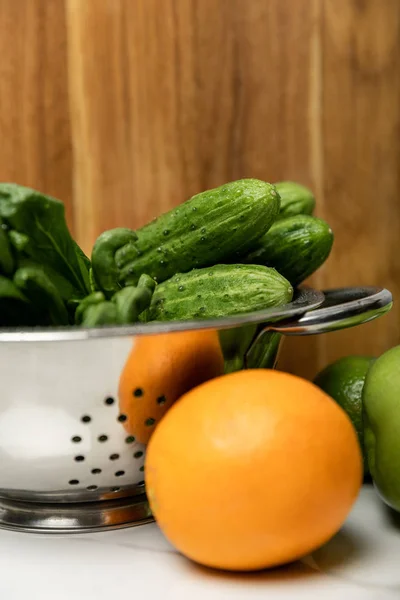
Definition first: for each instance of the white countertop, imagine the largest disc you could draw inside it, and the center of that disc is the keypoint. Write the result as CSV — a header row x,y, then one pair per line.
x,y
361,562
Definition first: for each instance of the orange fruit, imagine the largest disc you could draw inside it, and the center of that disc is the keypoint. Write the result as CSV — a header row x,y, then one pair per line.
x,y
252,470
159,369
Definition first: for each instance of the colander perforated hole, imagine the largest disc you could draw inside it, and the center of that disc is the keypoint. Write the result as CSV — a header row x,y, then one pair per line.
x,y
115,489
76,439
141,483
149,422
86,419
129,440
161,400
102,438
122,418
109,401
73,482
96,471
141,469
138,392
92,488
119,473
79,458
138,454
114,456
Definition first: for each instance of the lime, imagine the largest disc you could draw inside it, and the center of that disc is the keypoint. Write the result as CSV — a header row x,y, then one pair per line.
x,y
343,380
381,401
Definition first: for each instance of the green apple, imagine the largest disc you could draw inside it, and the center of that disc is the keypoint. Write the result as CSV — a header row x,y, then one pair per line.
x,y
381,419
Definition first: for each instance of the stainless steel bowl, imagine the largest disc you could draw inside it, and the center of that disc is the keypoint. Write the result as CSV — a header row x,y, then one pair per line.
x,y
67,462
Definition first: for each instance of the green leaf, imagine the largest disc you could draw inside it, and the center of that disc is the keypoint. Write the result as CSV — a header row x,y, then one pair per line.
x,y
15,308
234,344
263,353
18,240
92,281
43,294
6,257
41,233
85,265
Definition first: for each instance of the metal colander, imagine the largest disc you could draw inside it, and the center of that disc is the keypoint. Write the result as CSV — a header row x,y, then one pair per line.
x,y
67,461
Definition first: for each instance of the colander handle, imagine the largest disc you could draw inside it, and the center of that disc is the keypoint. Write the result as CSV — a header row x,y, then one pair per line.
x,y
342,308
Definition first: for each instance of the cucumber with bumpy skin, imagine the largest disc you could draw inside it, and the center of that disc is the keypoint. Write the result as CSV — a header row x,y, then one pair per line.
x,y
215,226
219,291
296,199
296,246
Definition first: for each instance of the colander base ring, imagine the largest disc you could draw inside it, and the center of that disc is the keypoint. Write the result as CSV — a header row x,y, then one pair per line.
x,y
88,517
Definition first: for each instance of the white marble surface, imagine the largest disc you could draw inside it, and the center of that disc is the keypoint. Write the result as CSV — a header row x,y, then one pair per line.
x,y
361,563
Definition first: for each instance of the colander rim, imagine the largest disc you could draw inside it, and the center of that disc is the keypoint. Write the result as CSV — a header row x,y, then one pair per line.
x,y
304,300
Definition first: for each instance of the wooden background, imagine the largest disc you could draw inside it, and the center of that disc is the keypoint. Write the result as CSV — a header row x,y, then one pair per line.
x,y
124,108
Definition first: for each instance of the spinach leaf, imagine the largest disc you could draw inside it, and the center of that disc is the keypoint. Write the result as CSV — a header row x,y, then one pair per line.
x,y
15,308
43,294
39,231
6,257
65,288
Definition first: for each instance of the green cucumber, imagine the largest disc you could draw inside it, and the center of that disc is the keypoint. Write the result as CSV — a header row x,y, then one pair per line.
x,y
296,199
105,273
296,246
218,291
215,226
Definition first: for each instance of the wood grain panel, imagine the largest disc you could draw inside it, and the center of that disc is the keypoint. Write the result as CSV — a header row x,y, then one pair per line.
x,y
35,145
170,98
361,165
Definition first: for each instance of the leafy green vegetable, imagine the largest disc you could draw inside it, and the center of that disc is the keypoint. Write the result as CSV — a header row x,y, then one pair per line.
x,y
15,308
244,348
18,240
92,281
65,288
6,257
263,353
84,264
234,344
38,231
43,294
